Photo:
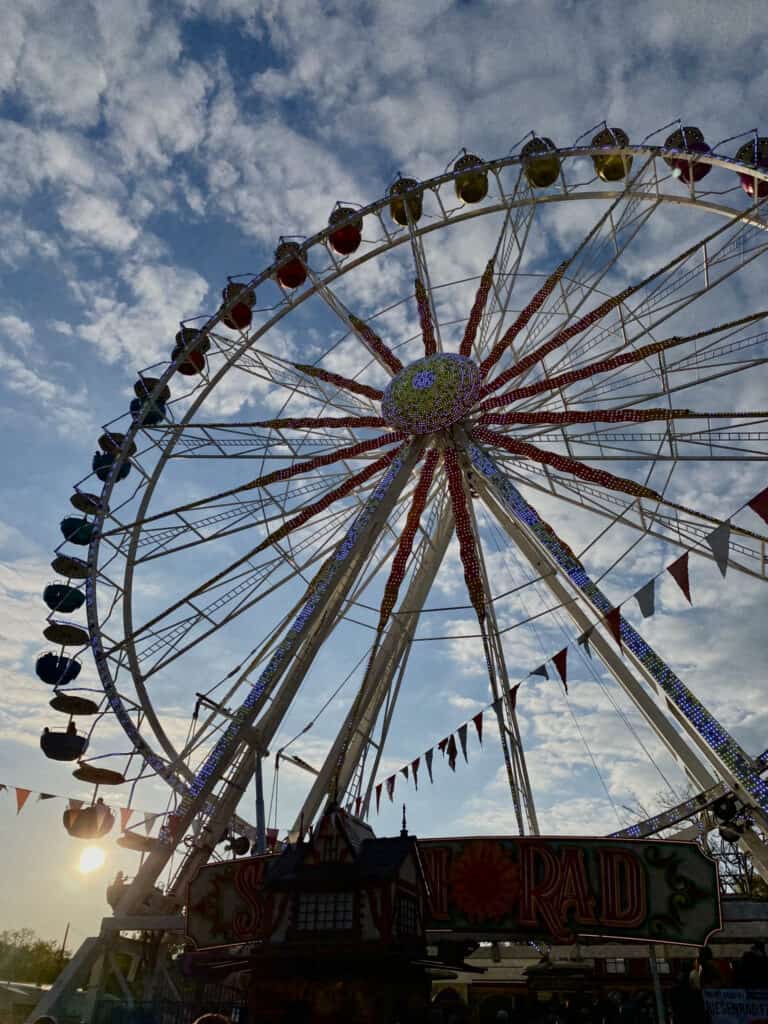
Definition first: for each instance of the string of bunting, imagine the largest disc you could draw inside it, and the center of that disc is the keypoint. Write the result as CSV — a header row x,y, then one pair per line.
x,y
126,813
718,541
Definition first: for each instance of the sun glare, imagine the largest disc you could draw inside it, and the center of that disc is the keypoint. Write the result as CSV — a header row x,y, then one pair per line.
x,y
91,859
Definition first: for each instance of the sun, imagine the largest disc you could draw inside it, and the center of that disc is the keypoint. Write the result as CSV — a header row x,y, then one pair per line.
x,y
91,859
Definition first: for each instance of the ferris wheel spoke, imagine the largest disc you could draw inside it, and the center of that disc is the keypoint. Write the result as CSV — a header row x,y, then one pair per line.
x,y
340,381
683,280
275,476
747,551
342,491
705,734
228,518
600,250
358,328
563,463
620,359
478,310
507,340
505,266
356,732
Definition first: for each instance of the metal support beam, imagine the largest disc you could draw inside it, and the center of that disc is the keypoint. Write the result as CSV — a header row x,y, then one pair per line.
x,y
361,718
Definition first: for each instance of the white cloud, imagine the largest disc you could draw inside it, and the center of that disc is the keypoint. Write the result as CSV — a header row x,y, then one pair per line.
x,y
99,221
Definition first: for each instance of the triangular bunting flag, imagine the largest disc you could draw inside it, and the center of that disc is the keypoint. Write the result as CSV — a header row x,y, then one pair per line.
x,y
583,641
45,796
452,752
126,813
541,671
75,805
2,787
428,755
22,795
441,746
404,772
391,786
718,542
272,834
646,598
149,820
415,771
196,825
477,721
560,662
759,504
497,706
513,695
679,573
378,797
613,622
462,733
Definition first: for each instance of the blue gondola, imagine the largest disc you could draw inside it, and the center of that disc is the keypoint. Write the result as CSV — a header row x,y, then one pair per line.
x,y
62,598
148,414
76,530
57,671
102,466
63,746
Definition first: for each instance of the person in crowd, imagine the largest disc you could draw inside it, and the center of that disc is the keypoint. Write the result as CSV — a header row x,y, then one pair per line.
x,y
752,971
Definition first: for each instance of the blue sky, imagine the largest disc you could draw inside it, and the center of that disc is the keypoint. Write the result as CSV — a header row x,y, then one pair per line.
x,y
152,149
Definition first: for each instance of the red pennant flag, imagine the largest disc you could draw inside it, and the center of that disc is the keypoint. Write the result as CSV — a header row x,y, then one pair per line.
x,y
441,746
404,772
513,696
679,573
428,760
463,740
452,751
271,838
613,622
415,771
560,661
478,724
759,504
22,795
125,817
391,786
378,797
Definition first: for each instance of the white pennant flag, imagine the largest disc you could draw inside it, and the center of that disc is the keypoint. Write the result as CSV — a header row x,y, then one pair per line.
x,y
718,542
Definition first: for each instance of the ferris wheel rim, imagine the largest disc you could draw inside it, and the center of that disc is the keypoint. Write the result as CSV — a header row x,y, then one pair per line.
x,y
393,241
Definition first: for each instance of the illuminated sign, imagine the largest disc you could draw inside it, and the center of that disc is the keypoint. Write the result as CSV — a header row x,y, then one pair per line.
x,y
497,888
504,888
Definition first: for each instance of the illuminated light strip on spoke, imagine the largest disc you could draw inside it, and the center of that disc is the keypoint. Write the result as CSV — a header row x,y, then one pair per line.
x,y
295,635
562,380
425,319
478,308
278,475
310,422
555,342
375,344
464,534
349,485
714,735
405,545
530,310
340,381
505,419
563,463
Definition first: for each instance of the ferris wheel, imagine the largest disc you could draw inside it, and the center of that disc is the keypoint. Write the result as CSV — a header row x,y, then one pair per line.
x,y
425,376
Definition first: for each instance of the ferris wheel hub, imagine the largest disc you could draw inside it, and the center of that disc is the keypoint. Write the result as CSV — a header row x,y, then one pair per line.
x,y
432,393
